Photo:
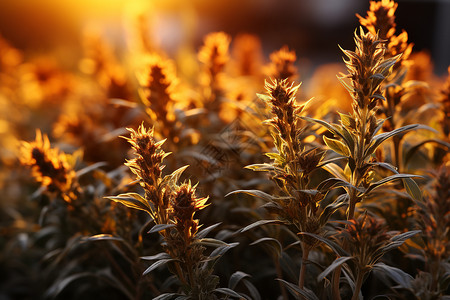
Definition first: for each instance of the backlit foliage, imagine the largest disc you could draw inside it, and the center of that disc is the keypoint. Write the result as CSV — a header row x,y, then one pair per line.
x,y
202,171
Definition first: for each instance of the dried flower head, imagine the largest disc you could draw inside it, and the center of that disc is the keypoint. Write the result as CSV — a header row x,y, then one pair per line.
x,y
147,166
214,52
184,205
380,18
248,55
284,108
49,166
366,70
380,21
282,64
159,81
367,236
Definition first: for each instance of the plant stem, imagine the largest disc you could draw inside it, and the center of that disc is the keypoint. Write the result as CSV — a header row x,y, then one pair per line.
x,y
284,293
335,283
301,280
359,282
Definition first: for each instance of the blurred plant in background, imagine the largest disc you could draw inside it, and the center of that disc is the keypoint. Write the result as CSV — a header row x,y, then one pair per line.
x,y
353,198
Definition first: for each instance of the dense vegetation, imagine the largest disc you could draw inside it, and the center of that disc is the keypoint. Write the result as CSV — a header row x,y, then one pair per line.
x,y
129,179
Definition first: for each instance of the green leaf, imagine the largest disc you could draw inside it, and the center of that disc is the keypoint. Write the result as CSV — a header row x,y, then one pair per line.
x,y
348,138
386,166
157,264
330,127
411,151
296,291
102,237
204,232
221,250
227,292
210,242
132,200
336,146
399,276
332,208
160,227
333,246
347,120
412,189
252,289
162,255
276,157
60,285
260,223
264,97
235,278
329,161
333,183
255,193
336,263
264,168
173,178
274,244
166,296
380,138
91,168
335,170
388,179
398,240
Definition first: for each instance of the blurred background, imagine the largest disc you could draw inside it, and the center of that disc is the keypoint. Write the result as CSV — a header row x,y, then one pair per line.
x,y
314,28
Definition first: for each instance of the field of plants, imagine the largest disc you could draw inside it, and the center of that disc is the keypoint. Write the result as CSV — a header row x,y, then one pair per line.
x,y
216,175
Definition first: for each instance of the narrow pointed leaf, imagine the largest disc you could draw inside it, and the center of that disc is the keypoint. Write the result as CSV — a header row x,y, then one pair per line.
x,y
296,291
333,246
228,292
333,183
132,200
398,240
274,243
412,189
400,277
380,138
336,146
173,178
332,160
252,289
411,151
388,179
91,168
218,252
263,97
204,232
210,242
254,193
167,296
157,264
235,278
102,237
260,223
336,263
162,255
160,227
330,127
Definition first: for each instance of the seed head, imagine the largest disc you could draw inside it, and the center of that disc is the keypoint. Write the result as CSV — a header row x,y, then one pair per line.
x,y
148,162
49,166
282,64
184,205
367,235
